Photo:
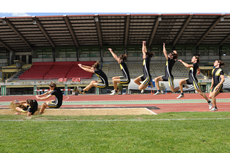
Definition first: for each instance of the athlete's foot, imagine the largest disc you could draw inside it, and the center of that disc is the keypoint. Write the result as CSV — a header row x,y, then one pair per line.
x,y
180,96
40,113
157,93
143,90
79,90
214,109
114,93
210,106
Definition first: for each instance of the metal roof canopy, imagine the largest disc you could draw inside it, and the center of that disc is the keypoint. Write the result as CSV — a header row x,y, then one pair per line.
x,y
23,34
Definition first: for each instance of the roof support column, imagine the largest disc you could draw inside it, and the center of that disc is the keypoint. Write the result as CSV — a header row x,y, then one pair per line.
x,y
96,19
127,29
44,32
220,52
54,55
101,54
182,30
11,57
154,30
71,31
197,50
226,38
11,52
19,34
77,54
209,30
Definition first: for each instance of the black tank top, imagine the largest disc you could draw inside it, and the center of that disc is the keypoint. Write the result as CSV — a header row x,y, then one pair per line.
x,y
124,69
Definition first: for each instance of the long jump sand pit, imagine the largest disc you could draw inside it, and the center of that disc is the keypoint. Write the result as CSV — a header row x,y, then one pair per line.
x,y
87,112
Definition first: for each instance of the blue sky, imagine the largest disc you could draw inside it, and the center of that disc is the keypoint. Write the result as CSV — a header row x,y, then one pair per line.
x,y
70,7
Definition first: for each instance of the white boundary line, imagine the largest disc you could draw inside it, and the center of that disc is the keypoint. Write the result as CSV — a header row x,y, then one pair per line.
x,y
66,98
130,120
151,111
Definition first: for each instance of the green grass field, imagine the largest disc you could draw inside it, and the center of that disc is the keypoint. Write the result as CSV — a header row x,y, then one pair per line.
x,y
168,132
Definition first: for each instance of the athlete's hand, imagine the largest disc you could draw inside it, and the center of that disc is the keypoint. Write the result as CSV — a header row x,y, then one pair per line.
x,y
110,49
175,51
37,96
180,60
79,65
217,87
198,72
163,44
211,87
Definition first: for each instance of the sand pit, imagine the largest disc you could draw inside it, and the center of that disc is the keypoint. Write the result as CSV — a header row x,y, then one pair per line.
x,y
78,112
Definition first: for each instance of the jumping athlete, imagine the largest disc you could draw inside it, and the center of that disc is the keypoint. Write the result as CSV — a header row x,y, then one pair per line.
x,y
170,61
217,83
54,91
146,77
194,68
125,79
94,69
30,106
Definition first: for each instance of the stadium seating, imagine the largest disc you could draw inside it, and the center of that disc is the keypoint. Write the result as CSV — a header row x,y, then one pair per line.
x,y
226,68
55,70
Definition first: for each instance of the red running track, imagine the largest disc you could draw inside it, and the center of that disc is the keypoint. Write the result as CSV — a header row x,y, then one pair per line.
x,y
178,107
116,97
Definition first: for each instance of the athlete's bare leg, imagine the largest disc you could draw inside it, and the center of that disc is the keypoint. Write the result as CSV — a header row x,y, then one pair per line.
x,y
115,80
142,86
157,79
137,80
174,89
92,84
202,94
181,83
213,95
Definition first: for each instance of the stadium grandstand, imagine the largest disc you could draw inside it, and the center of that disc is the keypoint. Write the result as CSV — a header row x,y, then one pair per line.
x,y
37,50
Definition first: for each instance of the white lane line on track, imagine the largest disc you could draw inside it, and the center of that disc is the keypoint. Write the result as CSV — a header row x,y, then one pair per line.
x,y
151,111
129,120
66,98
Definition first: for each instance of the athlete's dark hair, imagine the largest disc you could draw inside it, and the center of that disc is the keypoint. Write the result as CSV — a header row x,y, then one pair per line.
x,y
30,102
123,57
197,57
221,63
52,84
150,54
96,65
175,56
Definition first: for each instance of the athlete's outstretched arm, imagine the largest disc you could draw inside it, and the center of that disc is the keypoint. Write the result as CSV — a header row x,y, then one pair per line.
x,y
46,93
85,66
86,69
20,102
43,98
144,50
185,64
165,51
114,55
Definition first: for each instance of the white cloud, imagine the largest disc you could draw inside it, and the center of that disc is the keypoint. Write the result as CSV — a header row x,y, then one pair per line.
x,y
20,14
